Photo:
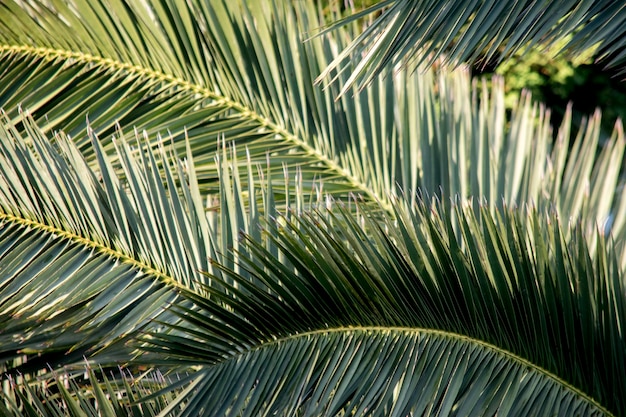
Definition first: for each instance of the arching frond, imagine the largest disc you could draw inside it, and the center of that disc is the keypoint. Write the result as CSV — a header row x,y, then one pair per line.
x,y
194,84
86,258
252,83
354,293
380,372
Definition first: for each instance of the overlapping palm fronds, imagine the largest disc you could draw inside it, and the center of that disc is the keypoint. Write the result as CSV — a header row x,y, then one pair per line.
x,y
409,32
311,284
88,393
87,259
177,193
360,315
253,85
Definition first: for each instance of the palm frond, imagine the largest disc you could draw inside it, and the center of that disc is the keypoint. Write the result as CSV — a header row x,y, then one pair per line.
x,y
86,258
194,83
381,372
253,85
87,394
409,33
509,281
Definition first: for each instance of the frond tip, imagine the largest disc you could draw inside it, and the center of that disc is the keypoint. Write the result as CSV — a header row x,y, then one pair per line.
x,y
410,32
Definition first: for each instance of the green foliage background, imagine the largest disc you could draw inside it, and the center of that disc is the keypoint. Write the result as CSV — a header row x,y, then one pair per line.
x,y
558,80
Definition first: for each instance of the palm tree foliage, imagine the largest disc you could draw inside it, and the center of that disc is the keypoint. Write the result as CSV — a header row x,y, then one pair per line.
x,y
178,194
481,31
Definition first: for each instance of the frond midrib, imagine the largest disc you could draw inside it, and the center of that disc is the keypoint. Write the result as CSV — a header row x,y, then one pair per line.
x,y
218,99
434,332
94,245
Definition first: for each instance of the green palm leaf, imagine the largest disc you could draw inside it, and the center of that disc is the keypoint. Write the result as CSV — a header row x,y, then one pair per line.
x,y
197,78
384,372
108,250
253,85
412,32
308,332
87,259
87,394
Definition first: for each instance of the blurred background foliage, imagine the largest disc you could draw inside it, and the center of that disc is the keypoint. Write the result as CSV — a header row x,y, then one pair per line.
x,y
553,79
557,80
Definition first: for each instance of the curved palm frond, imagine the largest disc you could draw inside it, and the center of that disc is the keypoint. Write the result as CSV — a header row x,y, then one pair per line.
x,y
193,83
510,290
111,234
410,32
88,259
252,83
381,372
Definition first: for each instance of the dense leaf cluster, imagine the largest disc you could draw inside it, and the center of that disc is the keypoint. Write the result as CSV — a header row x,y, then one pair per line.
x,y
190,225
